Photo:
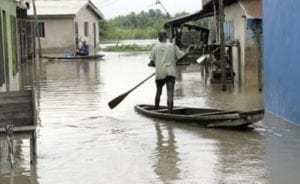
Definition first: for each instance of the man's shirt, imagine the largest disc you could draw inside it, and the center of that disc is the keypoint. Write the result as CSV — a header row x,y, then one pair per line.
x,y
165,56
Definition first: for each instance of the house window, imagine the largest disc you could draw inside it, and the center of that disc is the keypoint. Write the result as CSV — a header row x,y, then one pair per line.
x,y
14,44
86,28
41,29
229,30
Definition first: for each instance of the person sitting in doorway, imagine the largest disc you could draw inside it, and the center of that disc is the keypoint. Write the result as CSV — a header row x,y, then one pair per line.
x,y
83,50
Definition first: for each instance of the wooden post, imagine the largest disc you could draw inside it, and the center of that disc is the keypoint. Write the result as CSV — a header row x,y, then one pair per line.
x,y
37,28
33,147
239,63
222,43
216,22
231,64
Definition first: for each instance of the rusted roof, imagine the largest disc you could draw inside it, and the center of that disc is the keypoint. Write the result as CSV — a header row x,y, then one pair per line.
x,y
252,8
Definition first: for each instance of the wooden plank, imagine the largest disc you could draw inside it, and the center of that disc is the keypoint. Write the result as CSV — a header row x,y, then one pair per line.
x,y
20,129
15,97
15,100
17,113
15,106
74,57
33,146
15,93
17,136
17,122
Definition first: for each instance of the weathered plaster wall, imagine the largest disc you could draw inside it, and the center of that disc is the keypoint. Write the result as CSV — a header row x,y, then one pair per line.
x,y
234,13
59,34
86,15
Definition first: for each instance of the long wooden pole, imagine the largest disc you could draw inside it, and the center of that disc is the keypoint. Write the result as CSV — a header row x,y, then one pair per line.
x,y
222,43
216,22
37,28
259,57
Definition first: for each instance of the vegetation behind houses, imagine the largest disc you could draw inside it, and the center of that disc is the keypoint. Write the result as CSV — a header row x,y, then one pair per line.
x,y
144,25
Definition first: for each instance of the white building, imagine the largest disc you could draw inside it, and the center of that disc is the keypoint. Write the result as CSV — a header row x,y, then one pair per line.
x,y
62,24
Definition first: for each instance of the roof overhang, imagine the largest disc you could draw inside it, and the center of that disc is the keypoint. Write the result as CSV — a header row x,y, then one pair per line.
x,y
191,17
252,8
97,12
64,16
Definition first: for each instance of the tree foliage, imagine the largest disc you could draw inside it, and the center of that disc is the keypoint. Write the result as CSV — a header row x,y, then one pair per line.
x,y
135,26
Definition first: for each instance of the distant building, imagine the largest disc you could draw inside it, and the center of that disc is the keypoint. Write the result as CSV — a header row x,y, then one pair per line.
x,y
64,23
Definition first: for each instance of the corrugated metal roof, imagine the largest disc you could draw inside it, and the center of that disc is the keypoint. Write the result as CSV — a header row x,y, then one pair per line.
x,y
61,7
252,8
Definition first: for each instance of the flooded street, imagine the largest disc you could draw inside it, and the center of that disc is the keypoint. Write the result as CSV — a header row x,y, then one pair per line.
x,y
80,140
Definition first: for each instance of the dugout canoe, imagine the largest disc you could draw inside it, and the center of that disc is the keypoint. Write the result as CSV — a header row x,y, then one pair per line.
x,y
74,57
206,117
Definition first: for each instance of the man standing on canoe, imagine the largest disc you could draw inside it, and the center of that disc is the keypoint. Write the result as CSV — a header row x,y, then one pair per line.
x,y
163,57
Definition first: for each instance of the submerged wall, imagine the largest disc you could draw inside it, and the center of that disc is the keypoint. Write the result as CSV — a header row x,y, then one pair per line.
x,y
282,58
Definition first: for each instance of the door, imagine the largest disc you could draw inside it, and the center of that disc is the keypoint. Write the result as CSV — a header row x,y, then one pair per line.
x,y
76,35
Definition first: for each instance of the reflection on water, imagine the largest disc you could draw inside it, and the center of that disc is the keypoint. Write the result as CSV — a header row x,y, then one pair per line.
x,y
166,154
80,140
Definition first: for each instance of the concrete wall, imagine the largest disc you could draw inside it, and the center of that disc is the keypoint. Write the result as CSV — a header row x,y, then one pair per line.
x,y
282,58
86,15
249,53
59,34
234,13
12,80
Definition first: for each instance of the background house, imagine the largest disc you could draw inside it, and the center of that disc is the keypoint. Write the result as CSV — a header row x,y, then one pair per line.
x,y
243,22
62,24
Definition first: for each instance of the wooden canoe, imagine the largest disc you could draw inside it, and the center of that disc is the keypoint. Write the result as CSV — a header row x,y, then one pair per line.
x,y
203,116
74,57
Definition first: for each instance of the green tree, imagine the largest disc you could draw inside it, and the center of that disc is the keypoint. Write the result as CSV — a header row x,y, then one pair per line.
x,y
141,25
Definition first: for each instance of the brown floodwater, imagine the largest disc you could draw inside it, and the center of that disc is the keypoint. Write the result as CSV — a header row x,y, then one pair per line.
x,y
81,141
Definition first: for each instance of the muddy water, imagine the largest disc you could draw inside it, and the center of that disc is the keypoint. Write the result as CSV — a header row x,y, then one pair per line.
x,y
80,140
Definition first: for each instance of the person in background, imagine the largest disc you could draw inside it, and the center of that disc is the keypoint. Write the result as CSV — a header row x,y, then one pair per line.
x,y
163,57
83,50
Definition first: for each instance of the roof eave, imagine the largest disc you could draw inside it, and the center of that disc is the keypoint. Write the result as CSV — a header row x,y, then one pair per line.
x,y
96,11
53,16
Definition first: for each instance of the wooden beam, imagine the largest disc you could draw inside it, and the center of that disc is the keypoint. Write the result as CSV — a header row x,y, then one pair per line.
x,y
21,129
222,43
37,29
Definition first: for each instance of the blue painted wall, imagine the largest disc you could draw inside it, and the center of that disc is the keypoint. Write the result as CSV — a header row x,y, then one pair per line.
x,y
282,58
